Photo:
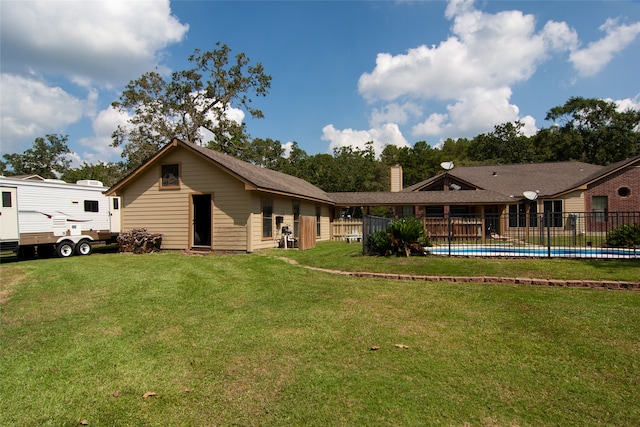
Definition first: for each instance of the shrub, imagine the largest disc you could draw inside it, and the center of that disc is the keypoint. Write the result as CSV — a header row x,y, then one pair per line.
x,y
402,237
624,236
406,235
380,243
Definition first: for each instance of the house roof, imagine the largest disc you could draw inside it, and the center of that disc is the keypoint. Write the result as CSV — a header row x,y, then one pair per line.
x,y
548,179
494,184
608,170
254,177
386,198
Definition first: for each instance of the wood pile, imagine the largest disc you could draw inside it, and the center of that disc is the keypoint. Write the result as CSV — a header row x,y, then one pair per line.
x,y
139,241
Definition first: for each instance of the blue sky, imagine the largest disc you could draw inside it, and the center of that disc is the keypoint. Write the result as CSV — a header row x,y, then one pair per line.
x,y
344,72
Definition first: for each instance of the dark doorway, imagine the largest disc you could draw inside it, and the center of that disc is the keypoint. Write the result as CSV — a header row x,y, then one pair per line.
x,y
201,220
492,220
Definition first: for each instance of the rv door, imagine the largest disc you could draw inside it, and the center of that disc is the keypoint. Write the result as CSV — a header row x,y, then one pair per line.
x,y
9,232
114,214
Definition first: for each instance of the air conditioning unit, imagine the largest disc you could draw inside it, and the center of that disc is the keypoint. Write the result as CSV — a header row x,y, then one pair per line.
x,y
90,183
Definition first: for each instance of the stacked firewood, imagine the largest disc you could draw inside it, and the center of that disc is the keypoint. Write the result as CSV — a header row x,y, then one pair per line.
x,y
139,241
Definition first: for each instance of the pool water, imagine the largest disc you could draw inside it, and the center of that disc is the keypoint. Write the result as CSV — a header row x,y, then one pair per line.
x,y
524,251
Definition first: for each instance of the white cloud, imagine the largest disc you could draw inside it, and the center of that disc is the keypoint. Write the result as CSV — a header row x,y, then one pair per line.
x,y
76,44
597,55
388,134
395,113
287,149
559,37
627,103
474,69
31,108
234,114
530,127
476,112
103,126
485,50
89,41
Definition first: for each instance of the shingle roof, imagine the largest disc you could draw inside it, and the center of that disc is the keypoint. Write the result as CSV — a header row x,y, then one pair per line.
x,y
387,198
494,184
609,169
262,178
255,176
512,180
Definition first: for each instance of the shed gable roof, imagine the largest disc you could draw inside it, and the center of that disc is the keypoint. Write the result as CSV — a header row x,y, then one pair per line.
x,y
254,177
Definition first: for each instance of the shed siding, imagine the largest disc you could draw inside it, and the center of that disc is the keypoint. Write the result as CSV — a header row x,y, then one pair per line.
x,y
283,206
236,214
145,205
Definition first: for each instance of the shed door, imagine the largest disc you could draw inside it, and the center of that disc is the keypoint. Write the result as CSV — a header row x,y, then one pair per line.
x,y
201,220
9,214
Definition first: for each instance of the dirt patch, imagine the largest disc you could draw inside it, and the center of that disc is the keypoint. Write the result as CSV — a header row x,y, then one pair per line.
x,y
9,277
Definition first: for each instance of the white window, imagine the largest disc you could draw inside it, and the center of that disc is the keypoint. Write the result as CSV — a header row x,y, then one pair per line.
x,y
600,207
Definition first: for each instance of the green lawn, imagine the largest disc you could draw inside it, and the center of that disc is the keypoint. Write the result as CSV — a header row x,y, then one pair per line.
x,y
347,257
252,340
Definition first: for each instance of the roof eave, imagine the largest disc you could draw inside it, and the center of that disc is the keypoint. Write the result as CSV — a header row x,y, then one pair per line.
x,y
113,190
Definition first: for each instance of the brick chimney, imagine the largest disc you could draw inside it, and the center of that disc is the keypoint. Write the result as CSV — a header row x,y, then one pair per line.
x,y
396,178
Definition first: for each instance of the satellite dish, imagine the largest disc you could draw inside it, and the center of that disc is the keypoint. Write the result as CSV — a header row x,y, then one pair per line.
x,y
446,165
531,195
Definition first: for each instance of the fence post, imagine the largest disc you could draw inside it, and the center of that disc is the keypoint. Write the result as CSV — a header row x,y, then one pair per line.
x,y
365,233
449,232
548,224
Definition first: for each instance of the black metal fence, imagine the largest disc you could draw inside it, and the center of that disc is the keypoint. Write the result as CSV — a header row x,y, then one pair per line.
x,y
371,224
550,234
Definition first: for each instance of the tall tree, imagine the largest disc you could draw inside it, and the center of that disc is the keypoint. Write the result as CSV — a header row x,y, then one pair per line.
x,y
603,133
189,101
358,170
294,162
267,153
107,173
506,144
46,158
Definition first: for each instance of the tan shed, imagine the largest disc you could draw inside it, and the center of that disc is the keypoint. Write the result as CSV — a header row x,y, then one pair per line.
x,y
198,198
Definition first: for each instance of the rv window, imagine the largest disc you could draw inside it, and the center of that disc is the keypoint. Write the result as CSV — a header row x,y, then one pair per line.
x,y
6,199
91,206
116,204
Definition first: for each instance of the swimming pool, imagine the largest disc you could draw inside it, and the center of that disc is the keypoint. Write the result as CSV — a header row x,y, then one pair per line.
x,y
534,251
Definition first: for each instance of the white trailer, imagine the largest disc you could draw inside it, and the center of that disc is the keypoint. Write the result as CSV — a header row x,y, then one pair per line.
x,y
50,217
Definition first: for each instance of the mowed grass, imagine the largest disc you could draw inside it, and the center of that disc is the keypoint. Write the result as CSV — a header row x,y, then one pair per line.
x,y
251,340
348,257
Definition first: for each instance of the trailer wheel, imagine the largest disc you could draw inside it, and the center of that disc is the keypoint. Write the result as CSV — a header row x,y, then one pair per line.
x,y
64,249
84,247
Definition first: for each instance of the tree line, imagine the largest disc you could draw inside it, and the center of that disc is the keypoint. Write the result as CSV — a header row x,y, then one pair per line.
x,y
187,102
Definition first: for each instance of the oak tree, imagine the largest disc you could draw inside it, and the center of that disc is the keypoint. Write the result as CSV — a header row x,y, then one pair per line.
x,y
190,101
47,158
600,132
